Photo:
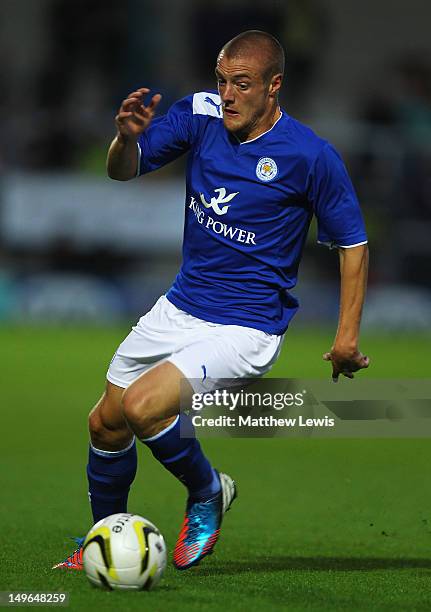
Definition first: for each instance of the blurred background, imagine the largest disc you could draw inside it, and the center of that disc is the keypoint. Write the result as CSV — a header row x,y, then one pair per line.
x,y
78,247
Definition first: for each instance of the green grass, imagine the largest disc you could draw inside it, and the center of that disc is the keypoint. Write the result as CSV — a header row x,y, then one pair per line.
x,y
318,525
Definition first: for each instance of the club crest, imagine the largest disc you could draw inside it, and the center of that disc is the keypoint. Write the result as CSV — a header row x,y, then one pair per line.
x,y
266,169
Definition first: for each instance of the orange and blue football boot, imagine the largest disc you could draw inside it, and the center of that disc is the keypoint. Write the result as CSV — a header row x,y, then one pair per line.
x,y
73,561
201,525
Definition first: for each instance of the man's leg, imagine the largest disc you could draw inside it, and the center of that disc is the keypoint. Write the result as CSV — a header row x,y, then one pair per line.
x,y
111,463
112,457
151,406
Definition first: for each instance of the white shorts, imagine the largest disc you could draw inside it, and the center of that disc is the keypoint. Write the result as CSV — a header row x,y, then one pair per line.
x,y
204,352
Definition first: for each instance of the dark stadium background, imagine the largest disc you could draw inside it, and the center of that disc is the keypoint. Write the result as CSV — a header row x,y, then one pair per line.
x,y
359,73
82,256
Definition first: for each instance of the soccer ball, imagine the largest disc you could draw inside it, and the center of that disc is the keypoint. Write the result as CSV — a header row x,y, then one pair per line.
x,y
124,551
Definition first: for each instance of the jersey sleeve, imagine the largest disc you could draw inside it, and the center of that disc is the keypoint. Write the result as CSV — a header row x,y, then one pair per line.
x,y
167,137
339,218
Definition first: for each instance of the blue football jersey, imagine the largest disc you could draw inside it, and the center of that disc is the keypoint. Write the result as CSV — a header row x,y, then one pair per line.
x,y
248,209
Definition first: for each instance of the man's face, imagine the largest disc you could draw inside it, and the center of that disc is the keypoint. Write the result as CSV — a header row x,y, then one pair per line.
x,y
244,94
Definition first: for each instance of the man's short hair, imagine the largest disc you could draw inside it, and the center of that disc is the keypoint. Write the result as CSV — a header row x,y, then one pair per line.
x,y
253,41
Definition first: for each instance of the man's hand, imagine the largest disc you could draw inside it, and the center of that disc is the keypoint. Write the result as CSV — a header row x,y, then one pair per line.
x,y
345,355
346,361
134,117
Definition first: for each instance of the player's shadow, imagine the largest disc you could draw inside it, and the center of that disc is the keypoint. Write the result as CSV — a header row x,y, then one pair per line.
x,y
318,564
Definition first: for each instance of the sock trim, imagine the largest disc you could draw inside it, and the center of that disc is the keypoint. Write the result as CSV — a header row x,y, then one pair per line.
x,y
163,432
119,453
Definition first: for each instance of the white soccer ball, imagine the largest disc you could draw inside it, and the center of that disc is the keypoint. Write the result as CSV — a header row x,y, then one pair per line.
x,y
124,551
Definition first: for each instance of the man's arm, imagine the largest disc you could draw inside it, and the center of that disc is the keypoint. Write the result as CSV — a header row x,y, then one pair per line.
x,y
132,120
345,355
122,161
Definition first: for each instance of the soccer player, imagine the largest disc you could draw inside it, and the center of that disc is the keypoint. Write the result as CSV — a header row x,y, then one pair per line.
x,y
255,177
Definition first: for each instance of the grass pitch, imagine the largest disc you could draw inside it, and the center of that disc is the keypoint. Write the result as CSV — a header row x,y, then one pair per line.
x,y
318,525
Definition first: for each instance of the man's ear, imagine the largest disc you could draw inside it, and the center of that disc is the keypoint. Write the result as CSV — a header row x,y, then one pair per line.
x,y
275,84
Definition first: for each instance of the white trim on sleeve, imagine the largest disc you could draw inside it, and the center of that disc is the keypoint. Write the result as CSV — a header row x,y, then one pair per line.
x,y
332,245
138,168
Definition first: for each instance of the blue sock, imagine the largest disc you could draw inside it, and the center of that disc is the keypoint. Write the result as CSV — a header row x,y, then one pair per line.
x,y
183,457
110,475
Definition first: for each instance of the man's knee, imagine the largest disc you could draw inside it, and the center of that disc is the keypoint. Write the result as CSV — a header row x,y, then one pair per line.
x,y
96,426
152,401
141,408
106,432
